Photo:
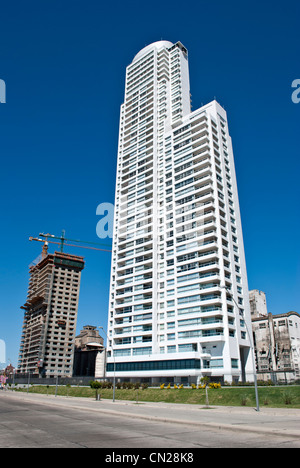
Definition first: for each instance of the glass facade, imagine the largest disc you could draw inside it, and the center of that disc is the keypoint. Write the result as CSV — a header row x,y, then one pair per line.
x,y
155,365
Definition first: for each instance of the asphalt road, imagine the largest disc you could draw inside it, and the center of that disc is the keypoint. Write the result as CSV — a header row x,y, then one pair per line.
x,y
27,424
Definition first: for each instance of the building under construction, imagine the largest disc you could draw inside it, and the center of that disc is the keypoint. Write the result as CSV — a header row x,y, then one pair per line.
x,y
50,315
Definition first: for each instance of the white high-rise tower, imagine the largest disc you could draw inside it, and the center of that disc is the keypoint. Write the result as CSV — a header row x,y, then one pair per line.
x,y
179,293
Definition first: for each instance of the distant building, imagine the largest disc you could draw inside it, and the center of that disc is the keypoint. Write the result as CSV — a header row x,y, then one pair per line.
x,y
89,357
9,370
50,316
258,303
88,336
277,346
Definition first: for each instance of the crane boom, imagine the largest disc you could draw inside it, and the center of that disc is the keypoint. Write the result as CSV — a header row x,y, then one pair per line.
x,y
62,239
62,243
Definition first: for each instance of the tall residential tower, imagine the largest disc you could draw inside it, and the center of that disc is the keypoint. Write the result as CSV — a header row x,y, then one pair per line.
x,y
179,293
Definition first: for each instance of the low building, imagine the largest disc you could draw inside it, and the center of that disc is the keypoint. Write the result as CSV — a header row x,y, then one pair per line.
x,y
89,356
9,371
277,347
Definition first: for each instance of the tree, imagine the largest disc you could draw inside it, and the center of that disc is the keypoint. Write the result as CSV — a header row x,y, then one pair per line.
x,y
96,385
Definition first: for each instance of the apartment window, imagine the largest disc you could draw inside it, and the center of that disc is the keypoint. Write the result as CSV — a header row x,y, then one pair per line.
x,y
141,351
183,300
216,363
234,363
155,365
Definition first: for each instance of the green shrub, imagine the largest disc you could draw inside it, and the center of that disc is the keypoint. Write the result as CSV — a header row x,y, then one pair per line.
x,y
95,384
244,400
287,398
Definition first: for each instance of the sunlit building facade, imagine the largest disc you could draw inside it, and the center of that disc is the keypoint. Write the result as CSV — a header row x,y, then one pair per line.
x,y
179,305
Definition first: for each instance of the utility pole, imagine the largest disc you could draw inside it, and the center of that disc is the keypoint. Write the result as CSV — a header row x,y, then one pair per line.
x,y
114,379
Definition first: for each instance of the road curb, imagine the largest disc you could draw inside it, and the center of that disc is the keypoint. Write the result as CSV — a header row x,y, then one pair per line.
x,y
232,427
92,405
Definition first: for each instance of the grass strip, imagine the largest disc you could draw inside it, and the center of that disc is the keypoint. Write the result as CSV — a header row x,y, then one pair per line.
x,y
274,397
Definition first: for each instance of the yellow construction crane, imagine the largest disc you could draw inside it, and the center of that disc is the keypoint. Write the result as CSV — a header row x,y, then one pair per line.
x,y
45,239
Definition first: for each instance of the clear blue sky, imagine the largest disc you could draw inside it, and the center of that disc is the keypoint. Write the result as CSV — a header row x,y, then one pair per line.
x,y
64,67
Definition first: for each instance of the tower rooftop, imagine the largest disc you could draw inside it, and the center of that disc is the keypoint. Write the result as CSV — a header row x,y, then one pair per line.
x,y
157,45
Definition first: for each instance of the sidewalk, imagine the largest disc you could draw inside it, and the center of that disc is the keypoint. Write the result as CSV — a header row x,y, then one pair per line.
x,y
276,421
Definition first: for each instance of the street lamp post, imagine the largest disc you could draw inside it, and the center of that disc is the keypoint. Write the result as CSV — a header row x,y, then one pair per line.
x,y
114,379
251,346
